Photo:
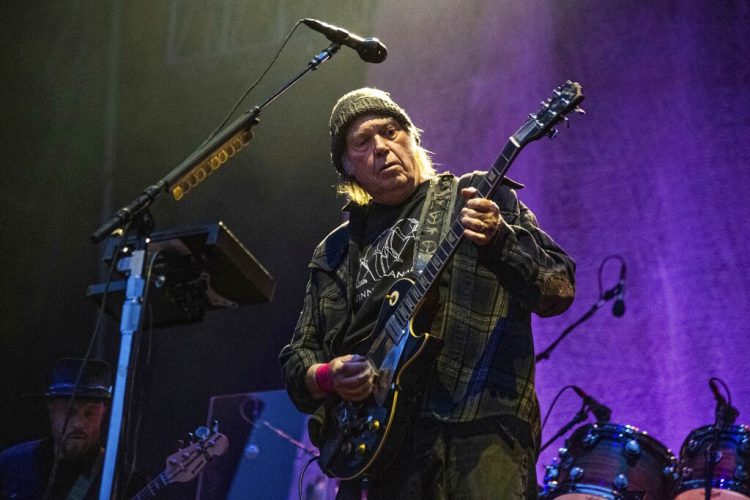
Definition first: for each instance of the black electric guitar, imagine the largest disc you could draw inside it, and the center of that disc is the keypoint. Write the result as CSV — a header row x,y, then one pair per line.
x,y
363,438
185,464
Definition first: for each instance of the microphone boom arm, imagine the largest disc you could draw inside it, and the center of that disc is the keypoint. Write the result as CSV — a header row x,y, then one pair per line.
x,y
608,295
209,156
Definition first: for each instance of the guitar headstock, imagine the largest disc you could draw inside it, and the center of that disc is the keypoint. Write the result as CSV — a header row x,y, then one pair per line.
x,y
565,99
185,464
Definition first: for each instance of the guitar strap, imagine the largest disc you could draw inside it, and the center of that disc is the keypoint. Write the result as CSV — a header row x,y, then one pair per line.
x,y
433,222
83,483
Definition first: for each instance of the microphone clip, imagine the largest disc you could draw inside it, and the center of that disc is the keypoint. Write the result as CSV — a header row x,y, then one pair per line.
x,y
612,292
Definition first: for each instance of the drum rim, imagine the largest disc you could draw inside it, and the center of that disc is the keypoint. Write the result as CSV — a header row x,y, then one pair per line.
x,y
740,428
586,489
630,429
722,484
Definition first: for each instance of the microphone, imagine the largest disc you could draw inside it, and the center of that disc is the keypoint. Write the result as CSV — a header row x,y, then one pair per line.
x,y
602,413
724,412
369,49
618,308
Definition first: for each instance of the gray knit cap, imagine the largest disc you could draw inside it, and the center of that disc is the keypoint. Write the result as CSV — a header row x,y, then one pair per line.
x,y
360,102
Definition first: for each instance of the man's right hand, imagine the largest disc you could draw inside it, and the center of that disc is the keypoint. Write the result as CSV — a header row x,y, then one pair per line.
x,y
352,377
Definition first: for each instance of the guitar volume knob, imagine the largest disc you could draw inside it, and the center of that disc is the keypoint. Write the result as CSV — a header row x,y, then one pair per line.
x,y
374,425
361,449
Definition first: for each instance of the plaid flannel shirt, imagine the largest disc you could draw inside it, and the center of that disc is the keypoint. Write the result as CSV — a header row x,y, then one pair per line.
x,y
486,365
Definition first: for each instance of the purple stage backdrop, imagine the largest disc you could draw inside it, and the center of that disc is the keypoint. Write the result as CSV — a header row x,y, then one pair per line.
x,y
656,171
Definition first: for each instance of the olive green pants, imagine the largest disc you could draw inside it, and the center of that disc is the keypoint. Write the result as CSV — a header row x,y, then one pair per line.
x,y
477,460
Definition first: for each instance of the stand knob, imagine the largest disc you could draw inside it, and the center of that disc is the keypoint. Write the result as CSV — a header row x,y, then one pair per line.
x,y
744,447
741,473
621,482
590,440
687,472
550,473
632,449
576,473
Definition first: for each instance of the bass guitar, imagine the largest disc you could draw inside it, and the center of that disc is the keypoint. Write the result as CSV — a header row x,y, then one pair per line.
x,y
363,438
185,464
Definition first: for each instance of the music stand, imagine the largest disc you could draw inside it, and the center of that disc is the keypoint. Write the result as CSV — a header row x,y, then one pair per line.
x,y
197,269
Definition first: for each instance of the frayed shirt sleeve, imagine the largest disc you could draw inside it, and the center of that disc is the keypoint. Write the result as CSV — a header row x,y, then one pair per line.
x,y
528,263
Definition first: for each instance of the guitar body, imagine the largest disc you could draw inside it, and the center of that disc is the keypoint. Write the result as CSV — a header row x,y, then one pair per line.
x,y
364,437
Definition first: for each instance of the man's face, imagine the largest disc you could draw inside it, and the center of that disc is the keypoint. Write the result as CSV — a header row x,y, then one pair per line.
x,y
84,426
380,155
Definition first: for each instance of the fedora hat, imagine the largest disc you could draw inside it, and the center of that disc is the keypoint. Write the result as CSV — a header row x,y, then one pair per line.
x,y
96,380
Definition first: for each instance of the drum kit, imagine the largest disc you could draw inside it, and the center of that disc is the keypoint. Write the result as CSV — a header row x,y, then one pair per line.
x,y
614,461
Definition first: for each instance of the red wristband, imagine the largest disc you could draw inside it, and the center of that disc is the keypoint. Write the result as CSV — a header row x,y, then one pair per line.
x,y
324,378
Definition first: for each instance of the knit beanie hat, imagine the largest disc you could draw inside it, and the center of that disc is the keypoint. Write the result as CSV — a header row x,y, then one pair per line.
x,y
364,101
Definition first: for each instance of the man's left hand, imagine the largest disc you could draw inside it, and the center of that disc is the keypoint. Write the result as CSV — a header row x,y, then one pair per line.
x,y
480,217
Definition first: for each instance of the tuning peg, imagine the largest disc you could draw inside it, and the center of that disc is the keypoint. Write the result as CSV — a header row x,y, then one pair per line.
x,y
566,121
552,133
180,444
579,110
545,104
202,432
191,437
215,426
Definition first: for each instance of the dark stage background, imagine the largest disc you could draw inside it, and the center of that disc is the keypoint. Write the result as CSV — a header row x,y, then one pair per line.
x,y
101,99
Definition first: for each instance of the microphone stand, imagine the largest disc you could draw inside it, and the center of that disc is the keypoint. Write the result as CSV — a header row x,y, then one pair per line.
x,y
725,416
209,156
606,297
577,418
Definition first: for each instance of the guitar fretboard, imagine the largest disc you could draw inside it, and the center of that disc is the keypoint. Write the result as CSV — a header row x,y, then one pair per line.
x,y
397,325
153,487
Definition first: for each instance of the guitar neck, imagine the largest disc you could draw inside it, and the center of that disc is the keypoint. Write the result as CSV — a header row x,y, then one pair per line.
x,y
566,99
153,487
448,246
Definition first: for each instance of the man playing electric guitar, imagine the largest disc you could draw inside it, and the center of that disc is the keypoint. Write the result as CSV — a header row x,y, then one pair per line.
x,y
471,428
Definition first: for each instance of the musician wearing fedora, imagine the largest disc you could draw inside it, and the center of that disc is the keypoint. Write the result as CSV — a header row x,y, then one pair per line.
x,y
475,429
75,439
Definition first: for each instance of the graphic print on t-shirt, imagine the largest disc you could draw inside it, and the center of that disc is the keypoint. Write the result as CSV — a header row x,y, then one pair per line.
x,y
390,256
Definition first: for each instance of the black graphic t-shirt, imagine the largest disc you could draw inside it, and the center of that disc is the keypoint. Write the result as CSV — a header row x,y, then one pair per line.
x,y
388,235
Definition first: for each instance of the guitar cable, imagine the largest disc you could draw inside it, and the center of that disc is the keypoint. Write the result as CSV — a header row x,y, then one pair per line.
x,y
554,402
302,476
254,84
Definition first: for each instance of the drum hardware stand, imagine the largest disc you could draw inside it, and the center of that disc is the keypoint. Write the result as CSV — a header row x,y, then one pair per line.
x,y
209,156
606,297
577,418
725,416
